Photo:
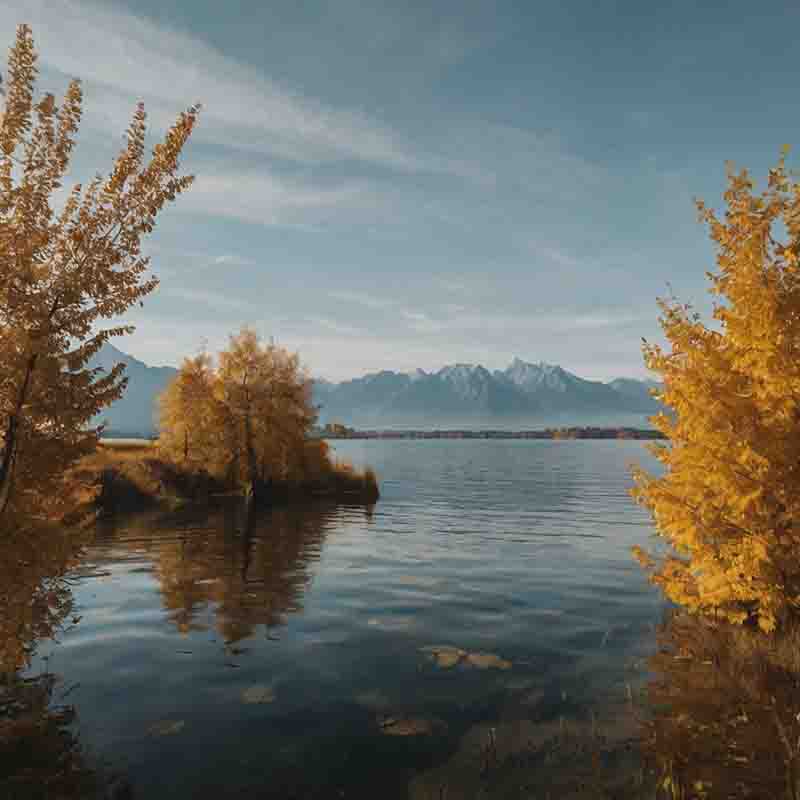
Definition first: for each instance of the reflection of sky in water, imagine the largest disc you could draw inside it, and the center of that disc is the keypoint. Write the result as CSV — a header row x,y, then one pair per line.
x,y
515,548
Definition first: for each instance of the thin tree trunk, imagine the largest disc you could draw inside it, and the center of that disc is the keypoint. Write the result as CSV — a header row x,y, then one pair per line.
x,y
253,482
9,452
7,463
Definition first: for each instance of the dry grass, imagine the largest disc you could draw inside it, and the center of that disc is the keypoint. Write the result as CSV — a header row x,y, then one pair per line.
x,y
127,474
136,445
115,477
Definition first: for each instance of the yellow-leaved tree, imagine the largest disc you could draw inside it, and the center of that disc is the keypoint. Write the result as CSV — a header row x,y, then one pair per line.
x,y
61,272
728,501
246,420
188,414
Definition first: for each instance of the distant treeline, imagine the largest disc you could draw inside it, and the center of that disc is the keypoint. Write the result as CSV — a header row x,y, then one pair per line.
x,y
340,432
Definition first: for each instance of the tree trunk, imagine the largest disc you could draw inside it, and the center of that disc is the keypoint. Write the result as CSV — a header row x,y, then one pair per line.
x,y
9,452
7,463
253,487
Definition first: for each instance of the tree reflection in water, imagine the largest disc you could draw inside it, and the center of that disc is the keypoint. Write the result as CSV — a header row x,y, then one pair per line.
x,y
725,707
251,569
35,597
40,757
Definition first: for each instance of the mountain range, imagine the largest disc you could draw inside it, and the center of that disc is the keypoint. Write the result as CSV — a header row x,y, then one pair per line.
x,y
524,395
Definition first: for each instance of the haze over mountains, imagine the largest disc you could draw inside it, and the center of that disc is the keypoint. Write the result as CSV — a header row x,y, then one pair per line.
x,y
524,395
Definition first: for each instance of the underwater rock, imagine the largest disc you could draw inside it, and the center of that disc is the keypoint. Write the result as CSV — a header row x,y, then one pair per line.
x,y
487,661
258,694
444,655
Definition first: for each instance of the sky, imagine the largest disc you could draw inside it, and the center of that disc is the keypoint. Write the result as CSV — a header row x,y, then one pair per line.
x,y
401,185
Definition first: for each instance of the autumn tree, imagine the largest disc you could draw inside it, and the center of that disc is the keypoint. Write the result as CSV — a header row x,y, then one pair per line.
x,y
62,272
245,419
728,501
187,413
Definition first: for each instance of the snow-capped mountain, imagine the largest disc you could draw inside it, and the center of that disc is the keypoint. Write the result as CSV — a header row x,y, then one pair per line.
x,y
467,395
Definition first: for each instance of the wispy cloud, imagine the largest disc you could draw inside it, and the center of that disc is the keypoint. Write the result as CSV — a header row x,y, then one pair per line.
x,y
460,320
122,57
263,198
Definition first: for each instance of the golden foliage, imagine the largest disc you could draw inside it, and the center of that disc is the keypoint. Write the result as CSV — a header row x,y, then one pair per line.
x,y
60,273
728,502
246,419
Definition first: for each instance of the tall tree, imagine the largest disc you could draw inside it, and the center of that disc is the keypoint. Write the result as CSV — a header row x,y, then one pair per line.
x,y
247,419
187,412
60,273
728,502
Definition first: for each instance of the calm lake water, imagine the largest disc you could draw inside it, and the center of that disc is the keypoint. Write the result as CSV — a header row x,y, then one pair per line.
x,y
286,658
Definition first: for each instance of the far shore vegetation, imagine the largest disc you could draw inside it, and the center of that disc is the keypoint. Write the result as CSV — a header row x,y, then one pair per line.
x,y
339,431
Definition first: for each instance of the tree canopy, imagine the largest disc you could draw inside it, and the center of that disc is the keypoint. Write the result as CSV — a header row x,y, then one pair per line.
x,y
728,501
62,272
245,418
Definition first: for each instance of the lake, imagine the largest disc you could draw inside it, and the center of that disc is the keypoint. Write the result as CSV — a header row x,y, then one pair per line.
x,y
425,647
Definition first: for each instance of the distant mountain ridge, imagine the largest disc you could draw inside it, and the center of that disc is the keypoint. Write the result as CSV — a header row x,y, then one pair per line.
x,y
134,413
524,395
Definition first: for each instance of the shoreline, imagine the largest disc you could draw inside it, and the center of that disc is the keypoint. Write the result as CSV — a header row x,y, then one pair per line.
x,y
547,433
573,432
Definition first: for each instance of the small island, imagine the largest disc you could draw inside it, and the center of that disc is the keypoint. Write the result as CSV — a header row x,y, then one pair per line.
x,y
236,425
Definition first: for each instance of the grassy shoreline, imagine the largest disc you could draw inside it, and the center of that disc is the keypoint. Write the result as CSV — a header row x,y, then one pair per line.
x,y
130,474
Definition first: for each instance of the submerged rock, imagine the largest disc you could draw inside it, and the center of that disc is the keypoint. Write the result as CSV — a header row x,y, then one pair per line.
x,y
258,694
487,661
444,655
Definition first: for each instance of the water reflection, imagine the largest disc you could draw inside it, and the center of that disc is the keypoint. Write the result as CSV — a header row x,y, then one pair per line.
x,y
40,755
35,597
725,712
249,569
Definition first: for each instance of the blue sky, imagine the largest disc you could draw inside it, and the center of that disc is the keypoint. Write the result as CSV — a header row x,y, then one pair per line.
x,y
399,185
